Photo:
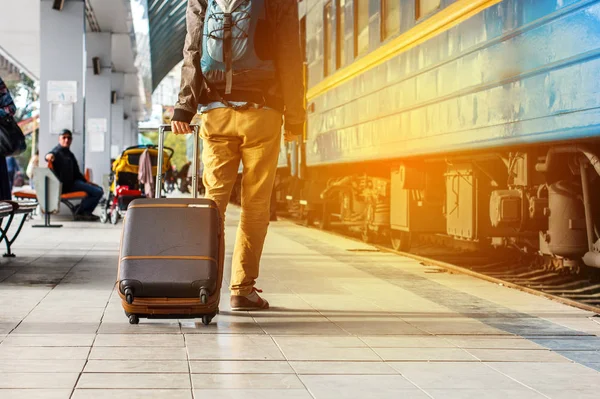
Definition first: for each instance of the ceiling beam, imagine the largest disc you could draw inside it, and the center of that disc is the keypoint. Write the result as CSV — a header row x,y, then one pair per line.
x,y
91,17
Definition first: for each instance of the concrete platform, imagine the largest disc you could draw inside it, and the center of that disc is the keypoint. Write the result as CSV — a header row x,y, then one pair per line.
x,y
346,322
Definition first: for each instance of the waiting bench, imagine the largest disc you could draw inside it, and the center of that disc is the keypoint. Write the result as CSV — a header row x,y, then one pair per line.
x,y
66,198
10,210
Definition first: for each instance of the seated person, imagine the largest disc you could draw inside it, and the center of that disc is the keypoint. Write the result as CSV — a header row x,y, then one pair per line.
x,y
66,168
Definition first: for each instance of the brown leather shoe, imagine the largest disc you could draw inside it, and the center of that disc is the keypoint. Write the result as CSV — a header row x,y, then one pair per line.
x,y
248,302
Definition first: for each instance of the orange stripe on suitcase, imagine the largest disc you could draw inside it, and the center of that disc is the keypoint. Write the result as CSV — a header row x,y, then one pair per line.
x,y
176,257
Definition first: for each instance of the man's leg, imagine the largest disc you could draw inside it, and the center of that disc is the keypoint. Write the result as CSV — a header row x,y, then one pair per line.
x,y
221,158
261,130
94,195
220,155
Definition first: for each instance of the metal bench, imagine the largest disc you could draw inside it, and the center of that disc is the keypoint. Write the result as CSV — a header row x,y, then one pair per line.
x,y
9,210
5,209
65,198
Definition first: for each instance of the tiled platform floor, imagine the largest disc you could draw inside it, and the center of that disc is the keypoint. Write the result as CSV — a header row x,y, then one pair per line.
x,y
346,322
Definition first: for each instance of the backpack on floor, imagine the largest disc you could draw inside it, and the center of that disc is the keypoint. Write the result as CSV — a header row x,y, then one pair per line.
x,y
236,38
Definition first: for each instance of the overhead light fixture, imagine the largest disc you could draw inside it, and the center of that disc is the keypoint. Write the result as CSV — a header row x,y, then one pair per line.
x,y
96,64
58,5
113,97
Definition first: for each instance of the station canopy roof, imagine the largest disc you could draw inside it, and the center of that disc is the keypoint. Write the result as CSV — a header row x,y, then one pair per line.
x,y
167,36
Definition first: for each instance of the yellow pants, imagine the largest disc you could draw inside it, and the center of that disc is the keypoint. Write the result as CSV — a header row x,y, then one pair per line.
x,y
251,136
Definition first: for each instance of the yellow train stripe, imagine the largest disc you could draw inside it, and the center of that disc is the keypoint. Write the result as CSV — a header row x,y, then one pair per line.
x,y
433,26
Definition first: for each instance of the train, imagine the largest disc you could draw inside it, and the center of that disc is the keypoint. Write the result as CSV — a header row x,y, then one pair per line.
x,y
477,121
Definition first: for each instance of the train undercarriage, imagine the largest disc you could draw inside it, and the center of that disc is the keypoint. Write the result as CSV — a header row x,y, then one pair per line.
x,y
539,200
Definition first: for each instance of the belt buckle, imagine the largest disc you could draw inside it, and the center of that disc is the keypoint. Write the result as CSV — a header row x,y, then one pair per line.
x,y
241,107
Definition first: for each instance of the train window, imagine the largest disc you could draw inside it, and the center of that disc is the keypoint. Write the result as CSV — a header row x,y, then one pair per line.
x,y
328,55
424,7
303,49
340,17
303,38
361,27
390,18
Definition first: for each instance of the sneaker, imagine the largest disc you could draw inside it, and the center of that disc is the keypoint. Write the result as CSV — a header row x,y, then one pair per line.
x,y
80,217
251,301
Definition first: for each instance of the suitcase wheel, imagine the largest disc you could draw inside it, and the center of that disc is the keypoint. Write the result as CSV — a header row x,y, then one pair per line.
x,y
134,319
203,296
129,295
206,319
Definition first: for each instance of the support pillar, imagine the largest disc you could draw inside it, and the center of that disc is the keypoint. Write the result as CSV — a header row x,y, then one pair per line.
x,y
118,82
128,113
98,105
62,59
134,131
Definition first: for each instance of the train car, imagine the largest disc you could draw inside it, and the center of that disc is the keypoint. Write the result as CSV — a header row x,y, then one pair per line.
x,y
473,120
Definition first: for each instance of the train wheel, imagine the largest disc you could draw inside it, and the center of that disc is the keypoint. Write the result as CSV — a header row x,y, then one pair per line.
x,y
325,220
367,235
309,220
401,240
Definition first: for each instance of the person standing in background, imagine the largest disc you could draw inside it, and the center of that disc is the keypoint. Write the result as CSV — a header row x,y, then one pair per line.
x,y
7,109
13,167
34,163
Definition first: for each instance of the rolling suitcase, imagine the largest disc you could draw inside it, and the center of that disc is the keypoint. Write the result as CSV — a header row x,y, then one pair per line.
x,y
170,264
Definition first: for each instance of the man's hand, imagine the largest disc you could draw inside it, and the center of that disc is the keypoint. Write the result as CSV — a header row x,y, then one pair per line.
x,y
180,127
50,158
289,136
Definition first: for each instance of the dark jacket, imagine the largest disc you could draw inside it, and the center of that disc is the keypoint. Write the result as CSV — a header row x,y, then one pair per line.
x,y
284,92
7,108
65,167
12,165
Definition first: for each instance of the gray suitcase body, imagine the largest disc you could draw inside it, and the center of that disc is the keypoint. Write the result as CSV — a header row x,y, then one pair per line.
x,y
170,248
170,263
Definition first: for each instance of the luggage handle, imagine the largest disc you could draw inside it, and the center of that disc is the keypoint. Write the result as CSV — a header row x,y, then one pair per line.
x,y
161,150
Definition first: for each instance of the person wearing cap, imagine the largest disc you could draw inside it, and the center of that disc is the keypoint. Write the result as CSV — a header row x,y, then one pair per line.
x,y
66,168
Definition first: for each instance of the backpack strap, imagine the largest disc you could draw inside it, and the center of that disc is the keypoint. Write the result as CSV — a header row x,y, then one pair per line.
x,y
212,89
227,50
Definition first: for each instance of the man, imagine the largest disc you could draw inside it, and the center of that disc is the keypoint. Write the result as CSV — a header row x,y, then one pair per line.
x,y
66,168
243,92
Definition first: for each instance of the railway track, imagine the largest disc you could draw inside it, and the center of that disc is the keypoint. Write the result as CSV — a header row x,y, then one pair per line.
x,y
578,290
513,270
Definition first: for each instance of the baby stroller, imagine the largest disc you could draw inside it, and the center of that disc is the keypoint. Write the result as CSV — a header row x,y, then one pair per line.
x,y
124,183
